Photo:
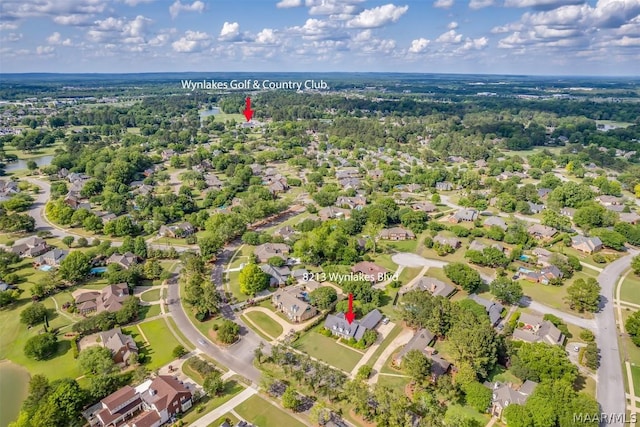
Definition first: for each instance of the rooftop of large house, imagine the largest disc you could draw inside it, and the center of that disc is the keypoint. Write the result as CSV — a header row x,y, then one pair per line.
x,y
339,325
434,286
493,308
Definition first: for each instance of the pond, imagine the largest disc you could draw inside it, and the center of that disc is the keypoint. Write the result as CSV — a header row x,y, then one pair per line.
x,y
22,164
211,112
14,384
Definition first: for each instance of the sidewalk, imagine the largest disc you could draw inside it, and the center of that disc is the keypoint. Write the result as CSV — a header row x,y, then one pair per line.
x,y
207,419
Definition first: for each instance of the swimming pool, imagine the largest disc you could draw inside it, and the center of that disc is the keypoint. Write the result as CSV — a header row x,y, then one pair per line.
x,y
45,268
524,257
98,270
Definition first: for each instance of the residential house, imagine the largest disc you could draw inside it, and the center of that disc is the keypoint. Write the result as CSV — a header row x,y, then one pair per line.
x,y
451,241
277,275
122,346
350,183
587,245
332,212
536,208
424,207
615,208
434,286
372,271
270,250
375,174
396,233
213,181
494,309
504,394
110,299
53,258
291,302
182,229
543,232
568,212
467,215
421,339
300,274
605,200
444,186
126,260
495,221
167,154
543,256
544,276
536,329
339,326
118,407
357,202
477,246
167,396
30,247
286,232
630,217
350,172
278,186
543,192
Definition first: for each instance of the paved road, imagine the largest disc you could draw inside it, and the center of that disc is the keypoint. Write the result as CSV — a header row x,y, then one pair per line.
x,y
408,259
238,357
590,324
610,393
226,407
445,200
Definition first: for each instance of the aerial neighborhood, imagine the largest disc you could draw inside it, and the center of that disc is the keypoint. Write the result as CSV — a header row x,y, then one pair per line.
x,y
357,257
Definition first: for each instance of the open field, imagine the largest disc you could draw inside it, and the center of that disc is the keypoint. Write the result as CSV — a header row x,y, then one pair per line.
x,y
328,350
264,322
161,343
262,413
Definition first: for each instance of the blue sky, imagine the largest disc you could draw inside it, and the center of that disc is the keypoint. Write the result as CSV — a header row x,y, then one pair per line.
x,y
559,37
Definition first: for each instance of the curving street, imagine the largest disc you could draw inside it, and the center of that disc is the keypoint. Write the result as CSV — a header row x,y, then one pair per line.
x,y
610,392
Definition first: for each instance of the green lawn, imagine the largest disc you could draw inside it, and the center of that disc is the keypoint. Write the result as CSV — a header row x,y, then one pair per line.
x,y
398,383
161,343
151,296
385,343
262,413
635,373
328,350
467,412
147,311
231,388
630,289
385,261
266,323
229,417
404,245
408,274
234,286
255,329
178,332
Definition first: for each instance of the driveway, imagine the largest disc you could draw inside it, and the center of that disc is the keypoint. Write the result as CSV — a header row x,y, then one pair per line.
x,y
590,324
610,393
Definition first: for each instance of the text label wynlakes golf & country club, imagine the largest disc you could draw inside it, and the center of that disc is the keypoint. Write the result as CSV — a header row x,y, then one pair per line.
x,y
249,84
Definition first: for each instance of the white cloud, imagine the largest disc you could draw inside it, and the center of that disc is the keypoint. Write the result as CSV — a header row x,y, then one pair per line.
x,y
284,4
479,4
419,45
267,36
136,2
20,9
363,36
443,4
541,4
192,41
452,25
378,16
45,50
449,37
339,8
74,20
120,30
56,39
317,29
12,37
230,32
178,6
8,26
